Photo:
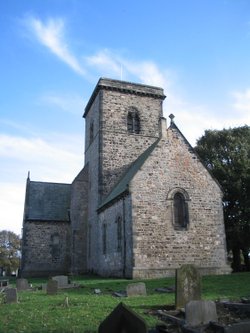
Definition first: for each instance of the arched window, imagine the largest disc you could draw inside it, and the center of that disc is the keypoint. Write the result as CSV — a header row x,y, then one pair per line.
x,y
119,233
133,121
55,247
180,220
178,200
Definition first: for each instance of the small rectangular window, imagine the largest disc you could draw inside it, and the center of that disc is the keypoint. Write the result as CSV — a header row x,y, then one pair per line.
x,y
104,239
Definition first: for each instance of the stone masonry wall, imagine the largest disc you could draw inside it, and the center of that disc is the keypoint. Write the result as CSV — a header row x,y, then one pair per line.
x,y
116,261
79,222
40,256
92,159
158,248
118,147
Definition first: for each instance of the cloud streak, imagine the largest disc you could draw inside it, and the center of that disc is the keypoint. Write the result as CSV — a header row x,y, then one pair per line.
x,y
70,103
51,35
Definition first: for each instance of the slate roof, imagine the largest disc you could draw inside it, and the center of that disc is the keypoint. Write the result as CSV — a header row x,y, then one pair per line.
x,y
47,201
122,185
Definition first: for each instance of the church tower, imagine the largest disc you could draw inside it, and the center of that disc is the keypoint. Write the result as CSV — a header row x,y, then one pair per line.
x,y
122,120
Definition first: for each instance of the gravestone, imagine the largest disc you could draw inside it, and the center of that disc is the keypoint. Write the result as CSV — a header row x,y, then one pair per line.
x,y
187,285
44,286
22,284
136,289
11,295
200,313
52,287
123,320
63,281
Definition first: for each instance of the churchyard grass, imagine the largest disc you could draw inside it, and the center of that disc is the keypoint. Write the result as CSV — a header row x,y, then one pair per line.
x,y
38,312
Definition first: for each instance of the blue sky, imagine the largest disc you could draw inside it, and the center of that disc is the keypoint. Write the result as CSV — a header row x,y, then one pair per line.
x,y
54,51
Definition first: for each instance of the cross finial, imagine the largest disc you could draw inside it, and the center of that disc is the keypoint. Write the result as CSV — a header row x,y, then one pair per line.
x,y
171,116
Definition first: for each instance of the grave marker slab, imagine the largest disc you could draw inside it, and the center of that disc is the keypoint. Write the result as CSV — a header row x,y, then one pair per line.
x,y
22,284
63,281
187,285
52,287
136,289
200,313
11,295
123,320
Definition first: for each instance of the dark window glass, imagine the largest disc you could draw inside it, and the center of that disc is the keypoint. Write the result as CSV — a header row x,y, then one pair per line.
x,y
55,248
104,239
133,122
91,132
180,211
119,234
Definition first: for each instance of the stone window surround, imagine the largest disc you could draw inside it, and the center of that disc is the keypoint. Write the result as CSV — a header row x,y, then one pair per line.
x,y
91,132
170,203
104,238
133,120
55,247
118,221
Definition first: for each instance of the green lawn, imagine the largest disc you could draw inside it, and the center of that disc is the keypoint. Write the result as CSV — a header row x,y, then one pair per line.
x,y
37,312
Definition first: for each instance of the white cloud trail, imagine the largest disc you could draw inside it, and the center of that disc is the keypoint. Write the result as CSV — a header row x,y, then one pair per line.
x,y
51,35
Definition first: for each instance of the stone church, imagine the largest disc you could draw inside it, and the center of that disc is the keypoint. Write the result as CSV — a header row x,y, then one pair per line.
x,y
143,204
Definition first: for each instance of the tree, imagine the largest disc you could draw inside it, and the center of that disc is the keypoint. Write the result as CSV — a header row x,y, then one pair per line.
x,y
10,246
226,154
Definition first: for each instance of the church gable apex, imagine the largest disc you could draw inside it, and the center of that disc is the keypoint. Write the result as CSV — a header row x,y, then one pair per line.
x,y
177,132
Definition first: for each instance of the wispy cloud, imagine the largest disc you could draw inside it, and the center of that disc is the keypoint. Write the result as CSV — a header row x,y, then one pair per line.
x,y
70,103
57,158
112,64
242,100
109,64
47,157
51,34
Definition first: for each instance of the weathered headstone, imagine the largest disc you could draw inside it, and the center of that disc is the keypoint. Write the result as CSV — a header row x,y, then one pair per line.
x,y
63,281
187,285
22,284
136,289
52,287
123,320
44,286
11,295
200,313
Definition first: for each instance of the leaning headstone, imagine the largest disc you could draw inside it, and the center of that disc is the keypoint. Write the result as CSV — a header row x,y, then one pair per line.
x,y
11,295
52,287
136,289
22,284
200,313
123,320
63,281
187,285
